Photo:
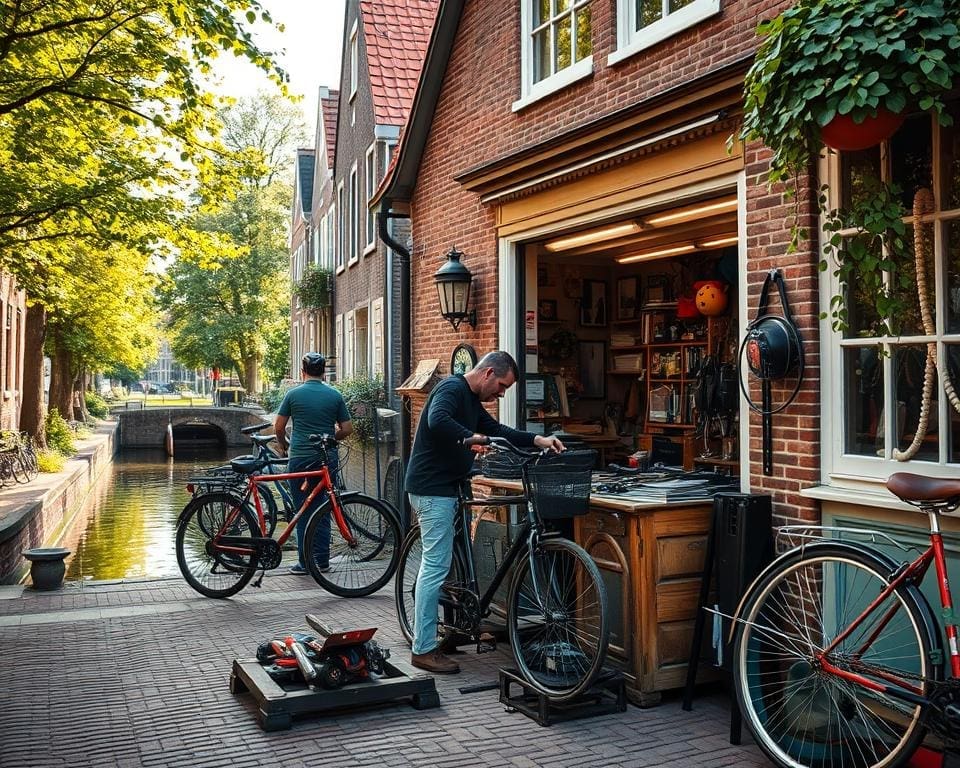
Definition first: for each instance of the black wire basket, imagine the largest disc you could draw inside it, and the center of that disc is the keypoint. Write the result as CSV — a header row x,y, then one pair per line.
x,y
501,465
560,483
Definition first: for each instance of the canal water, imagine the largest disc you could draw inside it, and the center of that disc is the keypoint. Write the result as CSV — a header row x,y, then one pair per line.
x,y
127,527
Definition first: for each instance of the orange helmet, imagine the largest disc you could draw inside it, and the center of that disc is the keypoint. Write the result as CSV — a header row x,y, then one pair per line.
x,y
711,297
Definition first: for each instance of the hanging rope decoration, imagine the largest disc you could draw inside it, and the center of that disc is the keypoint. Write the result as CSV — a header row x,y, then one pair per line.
x,y
923,203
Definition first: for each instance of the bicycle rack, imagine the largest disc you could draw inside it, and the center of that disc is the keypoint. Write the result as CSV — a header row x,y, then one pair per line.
x,y
607,695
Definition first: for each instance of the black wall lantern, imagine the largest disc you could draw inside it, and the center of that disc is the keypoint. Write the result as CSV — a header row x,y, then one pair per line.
x,y
453,284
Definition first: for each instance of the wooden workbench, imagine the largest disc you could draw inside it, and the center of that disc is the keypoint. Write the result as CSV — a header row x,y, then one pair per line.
x,y
651,558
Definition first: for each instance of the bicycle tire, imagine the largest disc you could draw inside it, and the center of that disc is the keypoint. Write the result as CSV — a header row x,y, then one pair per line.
x,y
29,460
210,573
405,586
798,714
557,619
360,569
19,468
268,503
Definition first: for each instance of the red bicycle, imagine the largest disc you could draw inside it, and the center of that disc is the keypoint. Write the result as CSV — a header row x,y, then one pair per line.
x,y
838,657
222,538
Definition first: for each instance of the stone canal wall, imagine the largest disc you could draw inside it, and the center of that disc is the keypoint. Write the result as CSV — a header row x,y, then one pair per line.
x,y
39,513
147,428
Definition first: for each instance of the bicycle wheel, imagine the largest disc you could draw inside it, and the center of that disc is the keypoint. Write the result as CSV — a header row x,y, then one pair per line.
x,y
557,619
801,715
209,570
269,505
29,460
19,469
405,586
353,569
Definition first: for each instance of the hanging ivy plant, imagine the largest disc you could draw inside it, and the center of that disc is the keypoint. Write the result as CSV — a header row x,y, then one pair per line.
x,y
315,288
869,262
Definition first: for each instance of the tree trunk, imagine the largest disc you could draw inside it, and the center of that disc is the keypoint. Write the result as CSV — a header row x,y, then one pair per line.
x,y
251,374
80,396
61,380
32,410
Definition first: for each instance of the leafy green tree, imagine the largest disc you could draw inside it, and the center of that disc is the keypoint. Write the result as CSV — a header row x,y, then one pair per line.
x,y
276,364
226,301
104,113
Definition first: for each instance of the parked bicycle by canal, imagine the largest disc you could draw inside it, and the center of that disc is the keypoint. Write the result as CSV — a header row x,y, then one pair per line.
x,y
222,538
18,458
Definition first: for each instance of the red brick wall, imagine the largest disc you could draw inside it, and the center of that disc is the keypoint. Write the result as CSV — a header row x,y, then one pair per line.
x,y
474,124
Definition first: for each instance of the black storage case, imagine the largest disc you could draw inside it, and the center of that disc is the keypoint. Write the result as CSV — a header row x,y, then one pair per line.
x,y
743,547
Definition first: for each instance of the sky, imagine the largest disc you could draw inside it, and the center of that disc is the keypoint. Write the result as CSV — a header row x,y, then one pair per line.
x,y
312,44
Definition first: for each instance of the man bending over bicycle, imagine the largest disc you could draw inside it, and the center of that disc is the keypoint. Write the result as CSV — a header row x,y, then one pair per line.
x,y
439,463
316,409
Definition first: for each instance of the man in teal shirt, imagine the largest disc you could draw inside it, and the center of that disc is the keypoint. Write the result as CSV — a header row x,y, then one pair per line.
x,y
316,408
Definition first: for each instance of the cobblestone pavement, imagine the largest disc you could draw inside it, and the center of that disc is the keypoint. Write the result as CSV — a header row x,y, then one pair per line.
x,y
137,674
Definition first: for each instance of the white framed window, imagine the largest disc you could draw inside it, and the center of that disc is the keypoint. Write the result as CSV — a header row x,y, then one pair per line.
x,y
354,60
370,183
376,337
354,219
389,146
361,341
331,227
556,47
321,243
874,410
341,228
338,345
349,320
296,351
643,23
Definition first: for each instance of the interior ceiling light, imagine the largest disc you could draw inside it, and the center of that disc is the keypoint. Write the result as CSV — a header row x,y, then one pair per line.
x,y
593,236
718,241
691,213
658,254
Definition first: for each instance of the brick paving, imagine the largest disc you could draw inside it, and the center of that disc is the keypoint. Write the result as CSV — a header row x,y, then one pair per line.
x,y
132,674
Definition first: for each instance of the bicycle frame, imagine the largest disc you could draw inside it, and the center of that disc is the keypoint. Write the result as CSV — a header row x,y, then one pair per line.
x,y
911,573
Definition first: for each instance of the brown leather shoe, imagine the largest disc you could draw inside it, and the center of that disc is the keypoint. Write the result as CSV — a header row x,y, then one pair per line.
x,y
435,662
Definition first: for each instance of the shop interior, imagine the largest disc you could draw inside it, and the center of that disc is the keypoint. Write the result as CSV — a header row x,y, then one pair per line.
x,y
631,336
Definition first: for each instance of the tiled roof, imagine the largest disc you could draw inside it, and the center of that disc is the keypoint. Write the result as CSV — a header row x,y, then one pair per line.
x,y
330,124
395,34
305,158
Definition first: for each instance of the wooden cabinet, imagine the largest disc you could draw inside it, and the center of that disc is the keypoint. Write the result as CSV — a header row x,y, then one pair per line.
x,y
651,558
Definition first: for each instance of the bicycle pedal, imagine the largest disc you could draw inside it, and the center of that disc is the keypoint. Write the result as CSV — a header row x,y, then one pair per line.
x,y
486,643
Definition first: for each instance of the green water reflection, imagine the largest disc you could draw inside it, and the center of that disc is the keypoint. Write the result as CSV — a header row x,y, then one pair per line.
x,y
126,530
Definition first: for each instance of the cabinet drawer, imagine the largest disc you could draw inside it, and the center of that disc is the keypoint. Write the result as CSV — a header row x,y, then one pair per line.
x,y
677,600
681,556
595,521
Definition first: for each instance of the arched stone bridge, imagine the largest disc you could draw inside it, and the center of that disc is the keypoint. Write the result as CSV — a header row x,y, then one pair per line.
x,y
147,428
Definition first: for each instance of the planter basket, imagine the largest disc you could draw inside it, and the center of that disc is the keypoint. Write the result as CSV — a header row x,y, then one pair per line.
x,y
843,134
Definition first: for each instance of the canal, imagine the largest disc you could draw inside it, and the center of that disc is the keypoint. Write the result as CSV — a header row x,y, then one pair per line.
x,y
127,526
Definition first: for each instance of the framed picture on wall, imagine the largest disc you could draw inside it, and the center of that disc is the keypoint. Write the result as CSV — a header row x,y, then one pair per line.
x,y
593,374
548,310
593,304
627,288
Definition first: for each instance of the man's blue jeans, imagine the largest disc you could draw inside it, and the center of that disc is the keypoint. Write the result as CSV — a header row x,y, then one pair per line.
x,y
321,543
436,535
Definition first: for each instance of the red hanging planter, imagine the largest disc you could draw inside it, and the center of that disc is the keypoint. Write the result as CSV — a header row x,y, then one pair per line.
x,y
842,133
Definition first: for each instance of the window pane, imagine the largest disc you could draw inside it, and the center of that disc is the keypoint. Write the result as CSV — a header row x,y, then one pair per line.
x,y
563,33
863,401
953,360
908,365
584,38
910,154
541,55
950,156
676,5
862,318
648,11
541,12
562,5
903,284
951,242
858,170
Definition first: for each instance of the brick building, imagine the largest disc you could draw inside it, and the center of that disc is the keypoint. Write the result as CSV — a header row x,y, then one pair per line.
x,y
588,166
13,313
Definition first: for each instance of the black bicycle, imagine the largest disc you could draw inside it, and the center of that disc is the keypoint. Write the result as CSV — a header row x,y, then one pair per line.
x,y
556,602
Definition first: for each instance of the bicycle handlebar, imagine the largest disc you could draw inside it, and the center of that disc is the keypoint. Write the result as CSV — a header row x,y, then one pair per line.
x,y
255,428
497,443
327,441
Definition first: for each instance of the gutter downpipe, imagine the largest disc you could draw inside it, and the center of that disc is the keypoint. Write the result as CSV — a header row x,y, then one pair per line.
x,y
384,215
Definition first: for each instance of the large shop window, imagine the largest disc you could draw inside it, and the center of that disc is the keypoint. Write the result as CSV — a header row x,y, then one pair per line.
x,y
643,23
556,48
878,405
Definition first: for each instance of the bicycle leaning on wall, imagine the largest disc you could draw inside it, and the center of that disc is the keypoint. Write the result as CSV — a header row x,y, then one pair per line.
x,y
556,602
838,658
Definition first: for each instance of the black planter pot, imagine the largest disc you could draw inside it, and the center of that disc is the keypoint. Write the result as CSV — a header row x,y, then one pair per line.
x,y
47,567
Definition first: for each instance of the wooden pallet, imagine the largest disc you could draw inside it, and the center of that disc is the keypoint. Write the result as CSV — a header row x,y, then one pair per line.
x,y
277,705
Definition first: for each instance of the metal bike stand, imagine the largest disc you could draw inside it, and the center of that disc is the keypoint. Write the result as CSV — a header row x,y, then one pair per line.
x,y
608,694
278,704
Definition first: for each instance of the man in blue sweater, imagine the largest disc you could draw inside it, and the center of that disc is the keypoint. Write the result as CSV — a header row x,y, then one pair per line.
x,y
438,464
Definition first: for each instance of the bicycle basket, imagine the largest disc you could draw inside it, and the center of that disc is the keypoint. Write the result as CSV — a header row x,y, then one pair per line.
x,y
501,465
560,483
